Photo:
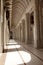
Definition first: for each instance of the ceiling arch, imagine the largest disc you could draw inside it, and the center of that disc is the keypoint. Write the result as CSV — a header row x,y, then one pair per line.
x,y
18,8
22,2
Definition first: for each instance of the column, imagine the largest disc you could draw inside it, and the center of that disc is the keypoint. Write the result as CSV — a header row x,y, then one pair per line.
x,y
38,44
23,31
20,31
5,29
27,28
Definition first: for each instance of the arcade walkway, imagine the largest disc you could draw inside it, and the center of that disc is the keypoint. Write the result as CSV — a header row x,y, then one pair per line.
x,y
16,54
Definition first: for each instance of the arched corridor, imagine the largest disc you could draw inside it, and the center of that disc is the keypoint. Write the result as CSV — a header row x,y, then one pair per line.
x,y
21,32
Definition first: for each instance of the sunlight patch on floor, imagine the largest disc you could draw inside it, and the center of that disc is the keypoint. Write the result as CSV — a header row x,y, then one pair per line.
x,y
18,46
26,56
16,57
12,47
12,42
13,58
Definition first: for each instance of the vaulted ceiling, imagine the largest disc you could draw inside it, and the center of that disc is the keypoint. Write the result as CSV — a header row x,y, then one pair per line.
x,y
18,8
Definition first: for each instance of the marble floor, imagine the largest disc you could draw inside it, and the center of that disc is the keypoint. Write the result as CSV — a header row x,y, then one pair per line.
x,y
16,54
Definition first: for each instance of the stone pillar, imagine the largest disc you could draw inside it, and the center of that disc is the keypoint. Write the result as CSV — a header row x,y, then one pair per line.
x,y
13,34
41,22
23,25
8,36
1,27
20,31
38,44
27,26
5,29
25,30
16,34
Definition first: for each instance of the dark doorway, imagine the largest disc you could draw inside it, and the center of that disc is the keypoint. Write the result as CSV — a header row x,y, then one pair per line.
x,y
32,18
7,14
